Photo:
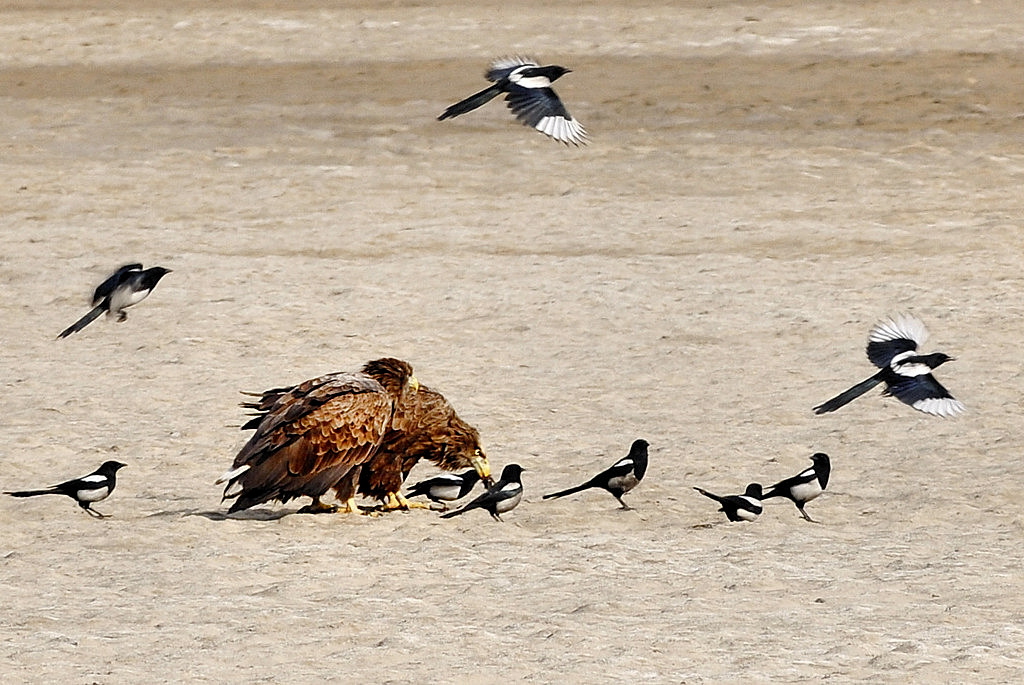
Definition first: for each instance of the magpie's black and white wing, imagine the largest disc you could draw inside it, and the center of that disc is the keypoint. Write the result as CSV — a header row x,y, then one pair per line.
x,y
896,335
926,394
541,109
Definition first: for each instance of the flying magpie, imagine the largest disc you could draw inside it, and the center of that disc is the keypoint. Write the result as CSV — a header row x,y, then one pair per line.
x,y
804,486
446,487
745,507
95,487
127,286
503,497
892,347
619,478
527,88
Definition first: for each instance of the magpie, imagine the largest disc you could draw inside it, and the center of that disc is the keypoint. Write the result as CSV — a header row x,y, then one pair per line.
x,y
446,487
745,507
127,286
892,347
804,486
527,88
619,478
503,497
95,487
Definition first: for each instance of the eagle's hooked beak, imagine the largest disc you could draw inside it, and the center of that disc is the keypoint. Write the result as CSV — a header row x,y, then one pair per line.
x,y
483,467
414,384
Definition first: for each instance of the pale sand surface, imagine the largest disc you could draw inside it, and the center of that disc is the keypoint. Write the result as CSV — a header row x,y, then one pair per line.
x,y
765,182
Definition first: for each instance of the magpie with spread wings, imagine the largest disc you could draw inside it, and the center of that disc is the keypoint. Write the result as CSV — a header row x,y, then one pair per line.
x,y
528,93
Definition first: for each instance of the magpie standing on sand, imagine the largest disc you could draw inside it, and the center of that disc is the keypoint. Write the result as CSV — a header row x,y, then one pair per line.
x,y
127,286
745,507
804,486
446,487
619,478
95,487
503,497
892,347
527,88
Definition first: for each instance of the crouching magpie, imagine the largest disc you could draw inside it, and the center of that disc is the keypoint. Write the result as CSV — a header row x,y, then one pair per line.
x,y
446,487
804,486
127,286
503,497
745,507
527,88
892,347
95,487
619,478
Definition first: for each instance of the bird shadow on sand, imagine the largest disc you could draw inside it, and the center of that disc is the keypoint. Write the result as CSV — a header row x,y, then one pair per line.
x,y
248,515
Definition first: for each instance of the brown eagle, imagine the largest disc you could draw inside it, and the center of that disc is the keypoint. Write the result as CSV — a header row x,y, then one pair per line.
x,y
425,426
317,435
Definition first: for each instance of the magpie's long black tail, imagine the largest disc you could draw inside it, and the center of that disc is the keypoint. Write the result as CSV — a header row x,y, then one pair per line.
x,y
471,103
84,321
570,491
848,396
33,493
710,495
463,510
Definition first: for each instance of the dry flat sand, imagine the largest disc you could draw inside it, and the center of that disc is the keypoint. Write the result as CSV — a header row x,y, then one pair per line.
x,y
766,181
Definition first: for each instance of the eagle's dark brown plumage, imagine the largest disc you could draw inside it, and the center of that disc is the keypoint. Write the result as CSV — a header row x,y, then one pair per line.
x,y
425,426
316,435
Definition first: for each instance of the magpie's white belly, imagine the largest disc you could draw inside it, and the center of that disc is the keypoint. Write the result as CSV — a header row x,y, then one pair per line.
x,y
93,495
806,491
509,504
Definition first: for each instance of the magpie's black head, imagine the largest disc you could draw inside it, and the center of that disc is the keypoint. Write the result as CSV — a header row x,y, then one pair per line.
x,y
552,72
638,453
819,458
935,359
512,473
111,467
753,490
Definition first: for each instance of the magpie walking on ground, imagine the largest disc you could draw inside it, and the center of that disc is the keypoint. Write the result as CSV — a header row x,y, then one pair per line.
x,y
127,286
619,478
528,92
804,486
892,347
503,497
446,487
95,487
745,507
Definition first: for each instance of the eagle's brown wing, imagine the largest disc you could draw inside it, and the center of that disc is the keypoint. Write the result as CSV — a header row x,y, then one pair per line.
x,y
308,437
424,426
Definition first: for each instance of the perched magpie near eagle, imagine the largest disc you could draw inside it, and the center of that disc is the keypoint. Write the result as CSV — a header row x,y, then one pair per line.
x,y
617,479
127,286
446,487
324,434
745,507
528,93
907,374
500,498
95,487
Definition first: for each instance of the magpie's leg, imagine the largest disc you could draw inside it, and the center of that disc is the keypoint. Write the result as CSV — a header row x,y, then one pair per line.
x,y
625,507
806,517
92,512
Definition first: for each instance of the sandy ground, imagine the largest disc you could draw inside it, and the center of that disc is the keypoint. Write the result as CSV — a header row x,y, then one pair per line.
x,y
765,182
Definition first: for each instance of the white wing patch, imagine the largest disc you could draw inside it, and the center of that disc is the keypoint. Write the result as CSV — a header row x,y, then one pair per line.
x,y
940,406
900,326
530,82
563,130
94,478
232,474
513,61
